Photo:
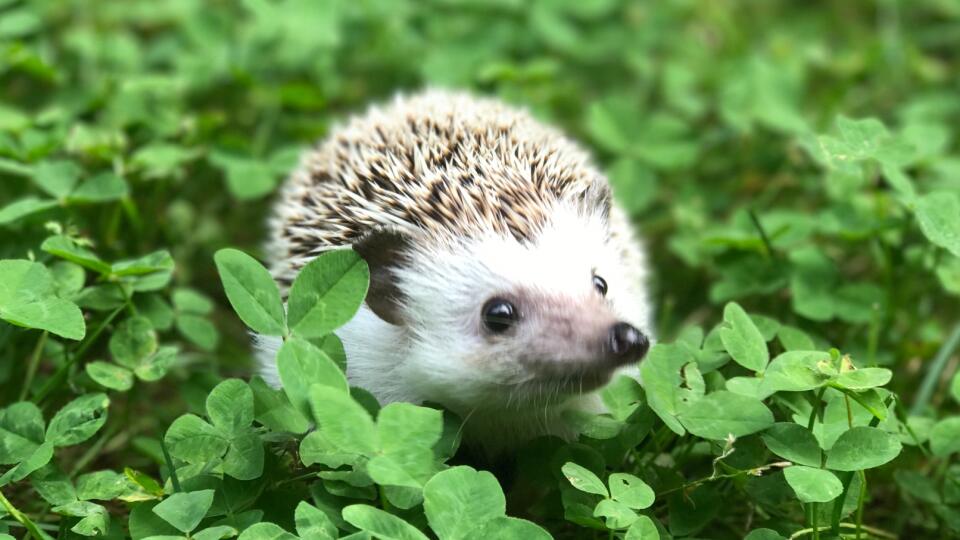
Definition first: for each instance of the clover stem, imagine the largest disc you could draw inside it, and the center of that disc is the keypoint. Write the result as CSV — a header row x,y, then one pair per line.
x,y
31,527
92,452
814,514
113,225
860,499
32,366
872,530
767,246
127,300
846,478
816,408
132,214
913,435
61,372
846,401
384,503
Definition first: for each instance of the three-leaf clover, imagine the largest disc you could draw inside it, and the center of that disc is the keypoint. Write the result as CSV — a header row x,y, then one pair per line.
x,y
228,438
185,510
136,353
619,503
311,524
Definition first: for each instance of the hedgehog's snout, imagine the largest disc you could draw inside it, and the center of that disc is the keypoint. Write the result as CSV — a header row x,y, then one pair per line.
x,y
626,344
565,336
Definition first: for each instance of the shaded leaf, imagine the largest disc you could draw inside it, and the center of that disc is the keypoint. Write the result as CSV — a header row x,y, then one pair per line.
x,y
793,442
864,378
945,437
643,529
21,432
616,514
39,457
380,524
133,342
185,510
100,188
508,528
743,340
313,524
78,420
630,490
720,414
23,207
796,371
584,479
813,484
862,448
110,375
56,177
266,531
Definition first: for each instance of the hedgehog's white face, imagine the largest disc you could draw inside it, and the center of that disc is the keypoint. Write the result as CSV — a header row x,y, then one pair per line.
x,y
497,323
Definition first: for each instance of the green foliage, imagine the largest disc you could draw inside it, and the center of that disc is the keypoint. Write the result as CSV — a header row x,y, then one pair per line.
x,y
252,292
228,439
813,485
327,293
793,169
185,510
743,340
28,298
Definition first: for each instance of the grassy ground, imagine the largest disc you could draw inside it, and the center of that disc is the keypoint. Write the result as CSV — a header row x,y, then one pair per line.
x,y
798,159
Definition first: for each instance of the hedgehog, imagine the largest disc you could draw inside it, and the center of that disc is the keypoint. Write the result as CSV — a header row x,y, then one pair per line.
x,y
505,282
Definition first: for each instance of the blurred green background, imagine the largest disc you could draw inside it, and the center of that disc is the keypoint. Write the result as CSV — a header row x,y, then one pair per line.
x,y
798,157
701,111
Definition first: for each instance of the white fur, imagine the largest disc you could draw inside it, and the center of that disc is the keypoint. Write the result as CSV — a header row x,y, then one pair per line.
x,y
442,355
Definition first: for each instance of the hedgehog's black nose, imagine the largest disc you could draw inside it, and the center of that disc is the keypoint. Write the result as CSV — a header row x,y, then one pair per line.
x,y
627,344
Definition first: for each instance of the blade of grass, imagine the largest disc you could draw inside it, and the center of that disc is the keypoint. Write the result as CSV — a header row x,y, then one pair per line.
x,y
173,470
932,377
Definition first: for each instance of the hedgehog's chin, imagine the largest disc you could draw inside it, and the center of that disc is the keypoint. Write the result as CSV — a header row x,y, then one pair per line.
x,y
569,377
556,388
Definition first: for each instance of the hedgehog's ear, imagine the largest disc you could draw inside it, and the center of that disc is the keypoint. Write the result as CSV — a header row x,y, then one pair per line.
x,y
598,197
383,251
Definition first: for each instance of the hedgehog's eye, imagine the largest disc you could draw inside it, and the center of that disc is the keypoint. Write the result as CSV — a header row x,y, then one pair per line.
x,y
499,315
600,284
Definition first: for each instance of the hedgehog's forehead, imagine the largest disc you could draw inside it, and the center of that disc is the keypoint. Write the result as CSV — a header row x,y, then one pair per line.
x,y
559,258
